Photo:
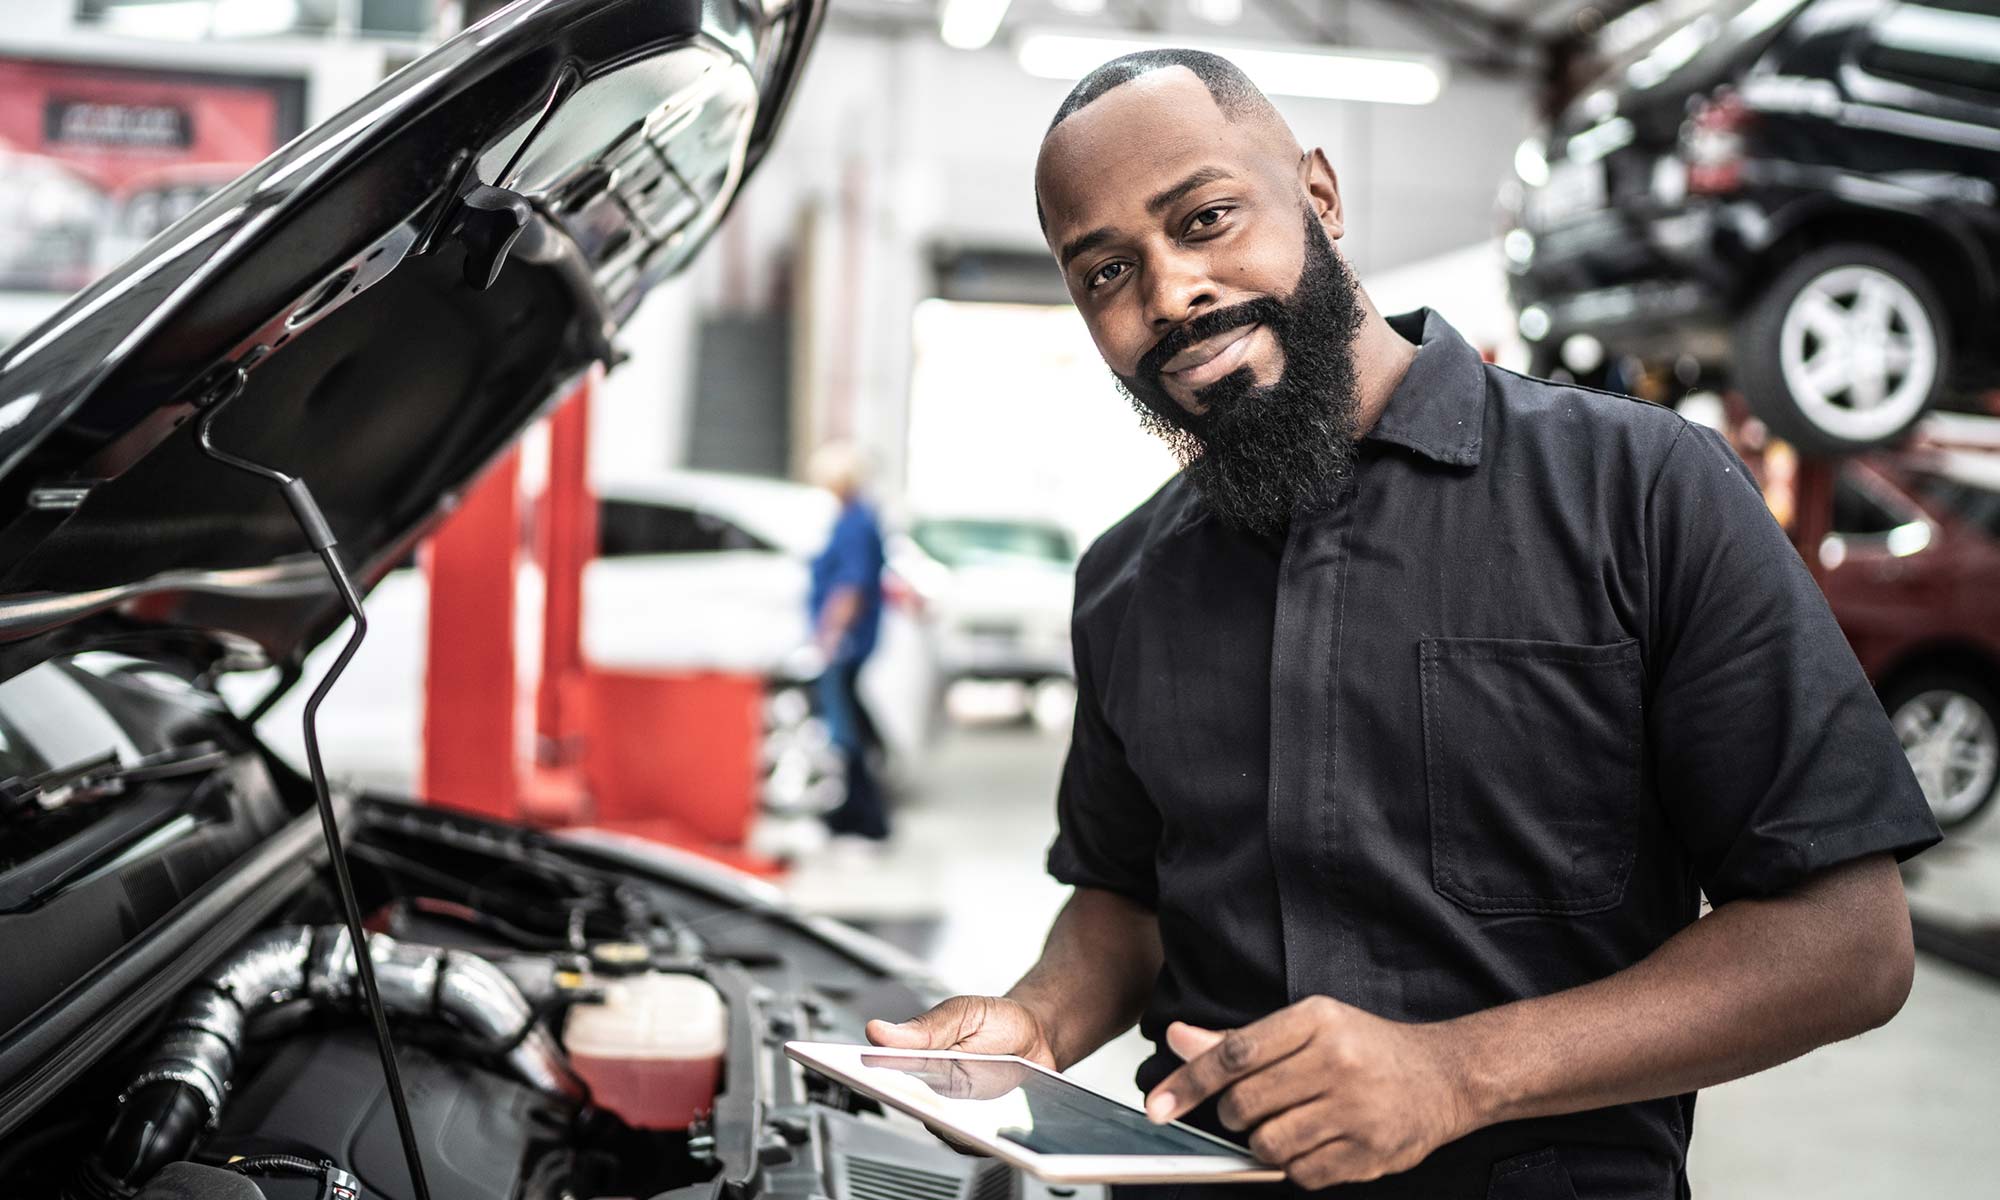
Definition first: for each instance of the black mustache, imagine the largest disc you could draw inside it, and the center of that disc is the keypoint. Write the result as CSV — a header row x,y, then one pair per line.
x,y
1264,310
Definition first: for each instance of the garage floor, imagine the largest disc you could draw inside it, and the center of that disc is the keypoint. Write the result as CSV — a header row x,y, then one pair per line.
x,y
1909,1109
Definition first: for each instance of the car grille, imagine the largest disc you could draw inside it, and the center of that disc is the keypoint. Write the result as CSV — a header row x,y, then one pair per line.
x,y
996,1182
873,1179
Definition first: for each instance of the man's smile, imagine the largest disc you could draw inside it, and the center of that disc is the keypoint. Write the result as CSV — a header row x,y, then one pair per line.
x,y
1207,361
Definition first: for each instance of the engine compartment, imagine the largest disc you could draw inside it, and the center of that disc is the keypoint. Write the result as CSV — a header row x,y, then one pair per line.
x,y
322,1097
467,919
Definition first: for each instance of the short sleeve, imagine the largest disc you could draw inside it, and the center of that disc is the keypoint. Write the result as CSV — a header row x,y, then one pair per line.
x,y
1107,829
1774,758
856,559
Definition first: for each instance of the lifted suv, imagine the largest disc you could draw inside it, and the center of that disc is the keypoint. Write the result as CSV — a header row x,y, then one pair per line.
x,y
1801,192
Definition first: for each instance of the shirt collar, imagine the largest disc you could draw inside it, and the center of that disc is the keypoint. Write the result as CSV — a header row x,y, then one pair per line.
x,y
1439,408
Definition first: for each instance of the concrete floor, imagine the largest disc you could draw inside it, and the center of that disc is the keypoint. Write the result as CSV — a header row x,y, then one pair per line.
x,y
1908,1110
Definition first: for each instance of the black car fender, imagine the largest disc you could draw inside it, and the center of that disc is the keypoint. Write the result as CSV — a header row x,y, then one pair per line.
x,y
1908,221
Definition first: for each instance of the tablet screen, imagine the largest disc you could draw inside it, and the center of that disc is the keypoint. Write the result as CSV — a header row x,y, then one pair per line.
x,y
1036,1111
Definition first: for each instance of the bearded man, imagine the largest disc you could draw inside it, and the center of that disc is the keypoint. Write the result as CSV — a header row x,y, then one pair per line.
x,y
1418,715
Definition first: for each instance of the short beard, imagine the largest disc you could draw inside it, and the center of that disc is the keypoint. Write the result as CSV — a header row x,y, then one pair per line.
x,y
1257,454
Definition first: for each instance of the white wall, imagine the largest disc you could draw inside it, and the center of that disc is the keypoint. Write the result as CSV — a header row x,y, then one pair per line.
x,y
895,143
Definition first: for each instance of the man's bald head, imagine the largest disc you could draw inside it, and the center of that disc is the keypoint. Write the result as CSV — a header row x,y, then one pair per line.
x,y
1234,94
1234,97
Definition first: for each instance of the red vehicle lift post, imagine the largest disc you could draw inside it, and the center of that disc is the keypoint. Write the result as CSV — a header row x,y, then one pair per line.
x,y
670,756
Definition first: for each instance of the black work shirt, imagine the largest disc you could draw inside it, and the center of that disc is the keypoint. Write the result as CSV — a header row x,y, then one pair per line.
x,y
1484,729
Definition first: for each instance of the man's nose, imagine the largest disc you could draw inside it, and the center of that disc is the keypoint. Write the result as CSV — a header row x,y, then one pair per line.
x,y
1180,288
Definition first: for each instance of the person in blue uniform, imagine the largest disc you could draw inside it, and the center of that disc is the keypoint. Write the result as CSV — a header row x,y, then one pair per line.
x,y
846,610
1421,716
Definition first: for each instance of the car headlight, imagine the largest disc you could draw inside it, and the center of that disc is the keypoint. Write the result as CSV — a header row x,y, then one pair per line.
x,y
1531,162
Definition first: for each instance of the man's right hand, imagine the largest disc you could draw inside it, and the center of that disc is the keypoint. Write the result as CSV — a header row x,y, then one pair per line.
x,y
976,1024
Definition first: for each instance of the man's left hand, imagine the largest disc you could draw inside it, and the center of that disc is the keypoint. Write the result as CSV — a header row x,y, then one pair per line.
x,y
1330,1093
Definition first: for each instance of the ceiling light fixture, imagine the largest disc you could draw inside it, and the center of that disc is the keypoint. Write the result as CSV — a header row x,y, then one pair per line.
x,y
970,24
1331,74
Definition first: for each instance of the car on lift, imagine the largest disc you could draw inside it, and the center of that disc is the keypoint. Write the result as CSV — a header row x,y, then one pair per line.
x,y
1802,195
1911,568
205,457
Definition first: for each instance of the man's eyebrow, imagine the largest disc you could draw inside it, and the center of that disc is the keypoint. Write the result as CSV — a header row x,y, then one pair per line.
x,y
1163,200
1173,195
1083,244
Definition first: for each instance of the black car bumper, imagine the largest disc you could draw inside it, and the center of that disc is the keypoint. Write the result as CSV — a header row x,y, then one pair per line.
x,y
1658,282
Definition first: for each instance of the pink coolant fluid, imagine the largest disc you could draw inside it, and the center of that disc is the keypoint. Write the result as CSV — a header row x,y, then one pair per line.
x,y
652,1049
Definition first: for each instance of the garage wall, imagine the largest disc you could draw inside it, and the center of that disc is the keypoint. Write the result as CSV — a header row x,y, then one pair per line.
x,y
897,144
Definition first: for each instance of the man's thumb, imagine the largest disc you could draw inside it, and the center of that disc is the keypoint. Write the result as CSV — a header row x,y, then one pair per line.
x,y
912,1034
1191,1041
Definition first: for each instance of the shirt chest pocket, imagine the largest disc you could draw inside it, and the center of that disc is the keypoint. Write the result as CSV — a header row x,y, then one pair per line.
x,y
1531,762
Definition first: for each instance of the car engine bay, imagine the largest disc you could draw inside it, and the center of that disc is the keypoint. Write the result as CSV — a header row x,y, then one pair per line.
x,y
569,1026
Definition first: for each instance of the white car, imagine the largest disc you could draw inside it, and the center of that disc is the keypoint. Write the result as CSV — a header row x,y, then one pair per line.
x,y
1000,590
697,571
703,569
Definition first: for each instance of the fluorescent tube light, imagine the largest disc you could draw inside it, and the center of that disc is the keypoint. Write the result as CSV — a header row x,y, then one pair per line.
x,y
1324,75
970,24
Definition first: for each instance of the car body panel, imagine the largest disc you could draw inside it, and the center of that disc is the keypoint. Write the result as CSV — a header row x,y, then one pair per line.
x,y
1000,589
1923,592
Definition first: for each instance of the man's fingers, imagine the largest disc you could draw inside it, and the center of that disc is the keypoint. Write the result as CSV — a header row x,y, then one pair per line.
x,y
1296,1132
950,1139
942,1027
1191,1041
1272,1089
1342,1160
1240,1052
910,1035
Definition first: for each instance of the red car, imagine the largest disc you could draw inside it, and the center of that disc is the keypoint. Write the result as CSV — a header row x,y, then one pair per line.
x,y
1912,570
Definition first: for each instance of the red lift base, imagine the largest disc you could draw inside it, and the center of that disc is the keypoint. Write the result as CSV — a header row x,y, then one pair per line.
x,y
670,757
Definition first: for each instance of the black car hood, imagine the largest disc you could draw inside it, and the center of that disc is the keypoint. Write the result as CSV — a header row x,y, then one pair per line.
x,y
341,290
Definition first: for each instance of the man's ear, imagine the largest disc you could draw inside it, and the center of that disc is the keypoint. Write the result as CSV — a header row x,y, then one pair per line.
x,y
1323,191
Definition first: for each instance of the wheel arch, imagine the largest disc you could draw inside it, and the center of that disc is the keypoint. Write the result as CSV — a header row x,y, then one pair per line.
x,y
1958,655
1954,261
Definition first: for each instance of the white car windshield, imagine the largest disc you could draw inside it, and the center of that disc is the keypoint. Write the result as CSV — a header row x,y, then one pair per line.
x,y
961,543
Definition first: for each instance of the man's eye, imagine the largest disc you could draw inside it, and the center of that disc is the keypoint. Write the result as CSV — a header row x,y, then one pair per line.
x,y
1207,217
1104,274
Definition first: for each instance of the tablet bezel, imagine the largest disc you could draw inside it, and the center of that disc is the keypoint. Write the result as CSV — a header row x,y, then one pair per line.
x,y
841,1061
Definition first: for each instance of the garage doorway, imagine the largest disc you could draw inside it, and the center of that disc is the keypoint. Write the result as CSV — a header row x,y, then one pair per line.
x,y
1012,413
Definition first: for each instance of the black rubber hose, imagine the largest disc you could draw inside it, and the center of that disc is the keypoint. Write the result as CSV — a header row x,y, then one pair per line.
x,y
156,1125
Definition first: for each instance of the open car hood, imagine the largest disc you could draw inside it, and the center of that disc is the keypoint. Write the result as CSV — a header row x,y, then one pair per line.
x,y
352,292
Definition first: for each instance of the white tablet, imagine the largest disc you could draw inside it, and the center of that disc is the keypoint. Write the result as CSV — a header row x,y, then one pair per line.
x,y
1032,1117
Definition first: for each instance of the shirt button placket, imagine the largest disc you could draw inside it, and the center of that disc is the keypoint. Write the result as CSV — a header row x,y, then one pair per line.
x,y
1305,676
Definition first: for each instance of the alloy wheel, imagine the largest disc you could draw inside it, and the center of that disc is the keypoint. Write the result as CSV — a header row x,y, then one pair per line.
x,y
1953,748
1858,351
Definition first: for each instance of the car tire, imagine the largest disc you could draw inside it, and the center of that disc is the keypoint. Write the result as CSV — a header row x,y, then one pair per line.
x,y
1949,724
1845,350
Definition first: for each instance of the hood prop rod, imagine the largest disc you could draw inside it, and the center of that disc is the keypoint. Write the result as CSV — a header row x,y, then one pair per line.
x,y
305,510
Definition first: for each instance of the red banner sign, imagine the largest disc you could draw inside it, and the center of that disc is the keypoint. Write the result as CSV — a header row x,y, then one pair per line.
x,y
95,160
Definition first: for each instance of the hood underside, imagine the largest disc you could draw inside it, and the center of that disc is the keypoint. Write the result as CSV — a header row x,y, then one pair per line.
x,y
385,302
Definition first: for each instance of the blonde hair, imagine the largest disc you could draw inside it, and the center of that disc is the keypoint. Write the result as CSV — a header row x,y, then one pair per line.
x,y
838,467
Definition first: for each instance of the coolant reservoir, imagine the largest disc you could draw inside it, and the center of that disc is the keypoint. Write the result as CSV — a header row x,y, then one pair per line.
x,y
652,1049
